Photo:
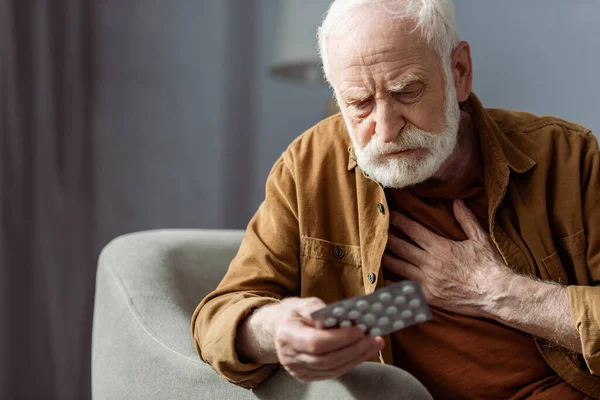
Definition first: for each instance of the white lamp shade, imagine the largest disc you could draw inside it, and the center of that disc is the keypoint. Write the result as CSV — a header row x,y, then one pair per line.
x,y
295,54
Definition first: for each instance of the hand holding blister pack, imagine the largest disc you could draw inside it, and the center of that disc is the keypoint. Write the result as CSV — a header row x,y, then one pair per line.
x,y
380,313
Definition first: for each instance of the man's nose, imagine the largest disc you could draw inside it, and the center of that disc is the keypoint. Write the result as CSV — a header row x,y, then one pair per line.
x,y
389,123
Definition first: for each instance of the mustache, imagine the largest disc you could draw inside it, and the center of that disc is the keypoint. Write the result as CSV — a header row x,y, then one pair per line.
x,y
410,138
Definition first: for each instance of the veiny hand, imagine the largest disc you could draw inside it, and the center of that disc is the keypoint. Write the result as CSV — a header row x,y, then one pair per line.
x,y
311,354
464,277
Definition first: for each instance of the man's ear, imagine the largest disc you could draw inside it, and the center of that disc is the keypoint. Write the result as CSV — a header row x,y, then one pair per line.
x,y
462,71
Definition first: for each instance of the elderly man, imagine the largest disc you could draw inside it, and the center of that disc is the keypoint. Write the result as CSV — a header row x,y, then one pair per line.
x,y
495,213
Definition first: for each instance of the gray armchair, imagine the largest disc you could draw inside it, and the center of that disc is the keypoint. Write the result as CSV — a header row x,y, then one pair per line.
x,y
148,285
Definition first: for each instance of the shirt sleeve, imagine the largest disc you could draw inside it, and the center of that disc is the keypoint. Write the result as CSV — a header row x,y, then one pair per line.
x,y
585,300
265,270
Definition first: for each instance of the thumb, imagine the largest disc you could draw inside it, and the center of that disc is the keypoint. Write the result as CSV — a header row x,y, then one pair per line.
x,y
309,305
468,221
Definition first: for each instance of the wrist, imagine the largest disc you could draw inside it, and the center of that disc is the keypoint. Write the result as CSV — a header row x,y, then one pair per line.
x,y
505,296
255,336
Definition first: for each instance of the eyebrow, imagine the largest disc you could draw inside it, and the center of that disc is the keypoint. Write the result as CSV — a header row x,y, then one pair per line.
x,y
401,83
354,93
359,94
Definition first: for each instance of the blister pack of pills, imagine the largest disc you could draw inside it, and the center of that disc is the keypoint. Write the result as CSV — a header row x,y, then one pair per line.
x,y
380,313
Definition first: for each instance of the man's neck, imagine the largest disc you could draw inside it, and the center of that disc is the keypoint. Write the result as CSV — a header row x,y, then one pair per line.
x,y
467,147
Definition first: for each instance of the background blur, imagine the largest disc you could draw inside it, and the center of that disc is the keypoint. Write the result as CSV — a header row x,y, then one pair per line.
x,y
123,115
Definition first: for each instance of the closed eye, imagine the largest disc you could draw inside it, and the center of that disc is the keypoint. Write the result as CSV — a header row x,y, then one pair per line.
x,y
361,104
407,96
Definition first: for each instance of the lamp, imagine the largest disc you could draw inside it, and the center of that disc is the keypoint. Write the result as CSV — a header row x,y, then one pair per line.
x,y
295,55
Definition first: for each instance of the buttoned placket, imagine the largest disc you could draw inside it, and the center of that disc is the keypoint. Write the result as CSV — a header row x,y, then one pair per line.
x,y
374,274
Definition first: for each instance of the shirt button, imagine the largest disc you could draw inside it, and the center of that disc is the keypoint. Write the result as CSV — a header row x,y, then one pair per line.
x,y
381,208
339,253
371,277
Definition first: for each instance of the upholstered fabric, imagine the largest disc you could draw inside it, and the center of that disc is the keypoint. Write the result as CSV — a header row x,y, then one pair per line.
x,y
148,285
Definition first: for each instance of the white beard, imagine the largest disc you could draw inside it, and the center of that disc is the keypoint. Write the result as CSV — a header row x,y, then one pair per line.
x,y
409,169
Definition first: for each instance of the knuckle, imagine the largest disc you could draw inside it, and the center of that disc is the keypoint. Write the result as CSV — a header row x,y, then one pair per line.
x,y
325,363
293,373
437,263
446,249
291,365
313,301
281,337
313,346
279,341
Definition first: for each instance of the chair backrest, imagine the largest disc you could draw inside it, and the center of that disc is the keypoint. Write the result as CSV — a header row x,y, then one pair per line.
x,y
198,262
160,277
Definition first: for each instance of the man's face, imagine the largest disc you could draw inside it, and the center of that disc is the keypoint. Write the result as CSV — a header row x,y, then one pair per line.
x,y
401,114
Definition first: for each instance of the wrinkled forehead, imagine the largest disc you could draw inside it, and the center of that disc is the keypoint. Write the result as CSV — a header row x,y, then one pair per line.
x,y
369,38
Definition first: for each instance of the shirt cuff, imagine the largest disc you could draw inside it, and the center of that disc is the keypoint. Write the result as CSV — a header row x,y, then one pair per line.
x,y
585,312
218,346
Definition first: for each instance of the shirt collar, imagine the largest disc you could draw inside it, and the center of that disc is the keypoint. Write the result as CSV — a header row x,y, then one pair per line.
x,y
351,158
498,151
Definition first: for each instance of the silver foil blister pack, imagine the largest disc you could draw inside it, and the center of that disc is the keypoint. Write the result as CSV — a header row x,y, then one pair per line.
x,y
380,313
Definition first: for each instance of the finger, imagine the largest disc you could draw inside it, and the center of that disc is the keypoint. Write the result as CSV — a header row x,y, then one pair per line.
x,y
308,372
308,306
401,267
404,250
387,283
337,359
468,221
367,355
418,233
309,340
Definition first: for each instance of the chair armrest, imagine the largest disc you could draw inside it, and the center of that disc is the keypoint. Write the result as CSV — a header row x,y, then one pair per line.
x,y
147,287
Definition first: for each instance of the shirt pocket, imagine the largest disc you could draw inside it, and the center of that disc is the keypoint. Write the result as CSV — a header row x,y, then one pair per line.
x,y
330,271
567,265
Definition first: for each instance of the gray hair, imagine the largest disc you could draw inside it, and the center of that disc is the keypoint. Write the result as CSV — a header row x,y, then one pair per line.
x,y
434,19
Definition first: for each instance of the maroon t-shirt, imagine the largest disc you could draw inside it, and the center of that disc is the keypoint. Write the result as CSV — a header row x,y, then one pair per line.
x,y
456,356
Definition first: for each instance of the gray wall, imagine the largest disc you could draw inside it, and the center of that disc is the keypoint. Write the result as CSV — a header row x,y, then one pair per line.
x,y
189,122
286,109
542,56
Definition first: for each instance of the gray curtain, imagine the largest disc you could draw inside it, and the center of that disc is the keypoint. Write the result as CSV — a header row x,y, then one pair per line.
x,y
47,189
115,116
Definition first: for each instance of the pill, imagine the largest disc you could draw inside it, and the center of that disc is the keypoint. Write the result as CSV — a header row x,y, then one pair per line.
x,y
346,324
329,322
408,290
406,314
385,297
414,303
376,307
383,321
398,325
338,311
400,300
375,332
369,319
391,310
362,327
362,305
354,314
420,317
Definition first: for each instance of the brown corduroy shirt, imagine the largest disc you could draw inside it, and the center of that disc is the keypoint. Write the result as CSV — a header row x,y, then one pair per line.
x,y
542,179
455,356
